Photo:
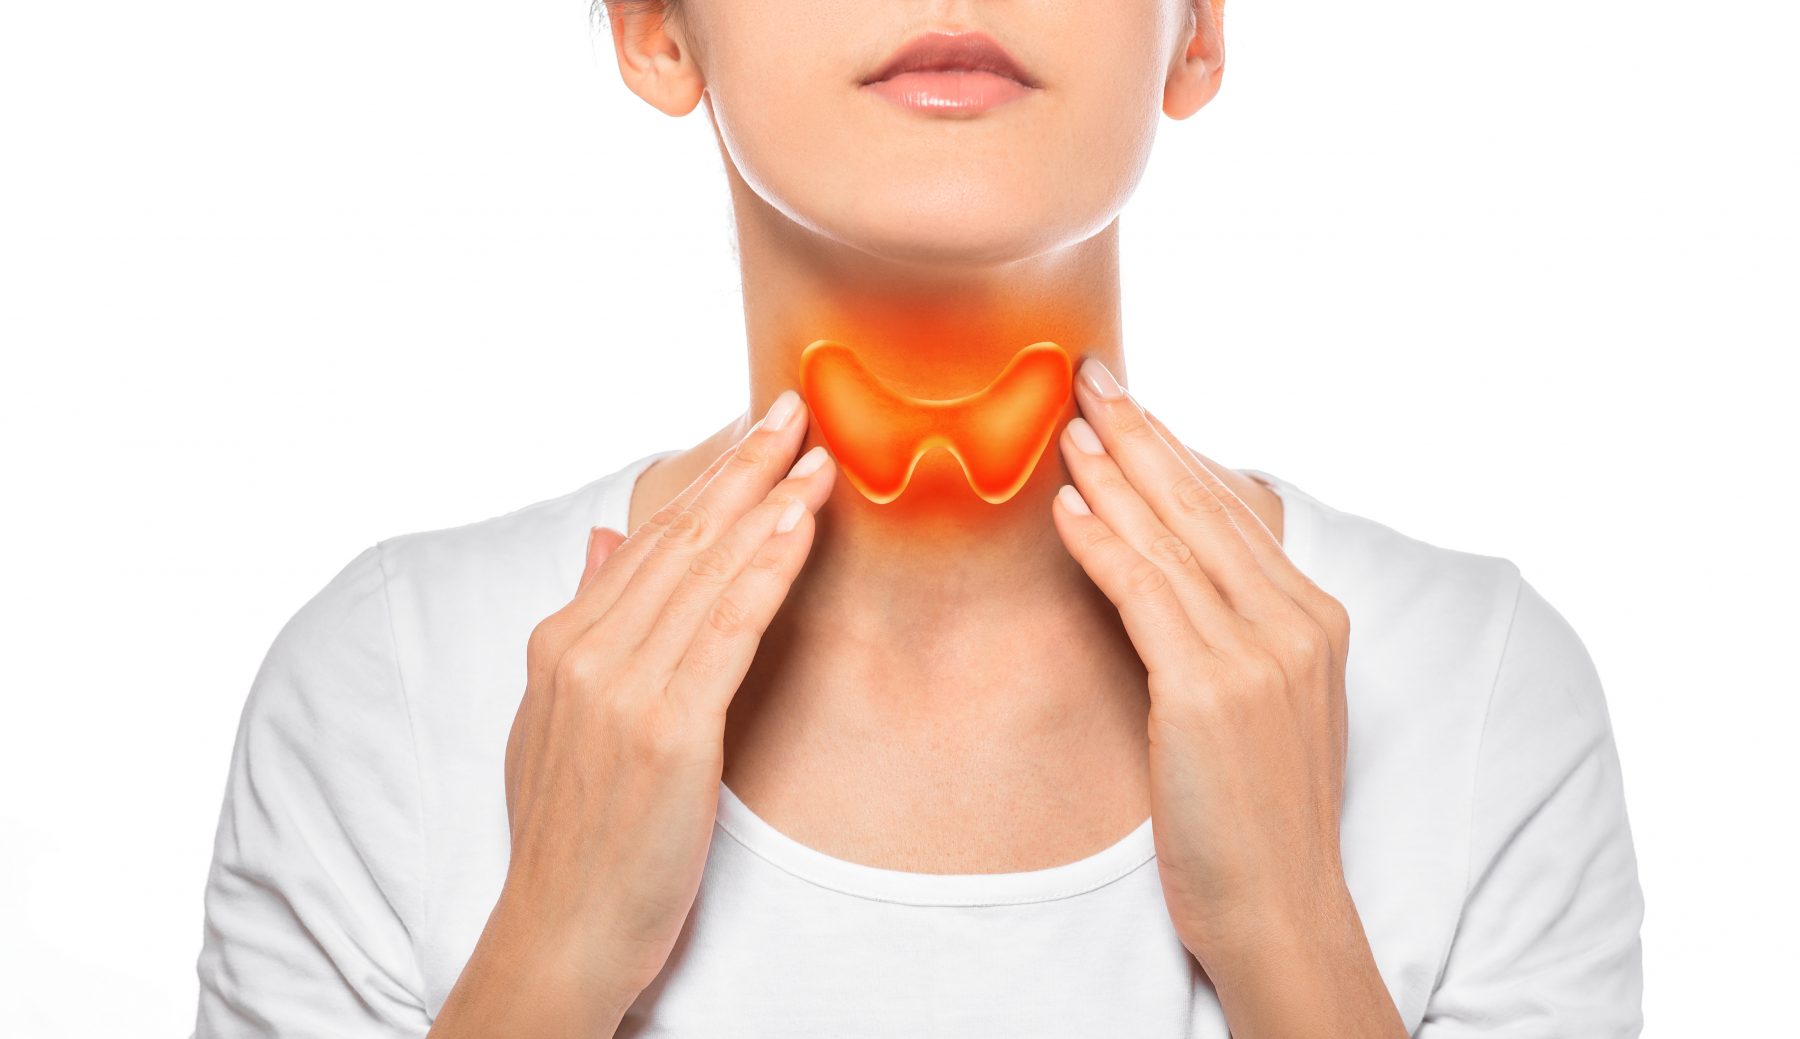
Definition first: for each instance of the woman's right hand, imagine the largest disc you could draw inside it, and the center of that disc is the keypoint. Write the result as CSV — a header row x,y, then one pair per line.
x,y
615,756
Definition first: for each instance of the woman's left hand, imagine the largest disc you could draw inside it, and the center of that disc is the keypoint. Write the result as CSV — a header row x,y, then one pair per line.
x,y
1248,729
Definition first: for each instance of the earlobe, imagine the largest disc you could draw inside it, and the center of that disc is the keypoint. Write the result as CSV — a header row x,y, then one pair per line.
x,y
1196,72
654,59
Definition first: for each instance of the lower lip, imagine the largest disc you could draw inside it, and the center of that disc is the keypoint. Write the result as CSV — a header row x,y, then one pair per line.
x,y
950,93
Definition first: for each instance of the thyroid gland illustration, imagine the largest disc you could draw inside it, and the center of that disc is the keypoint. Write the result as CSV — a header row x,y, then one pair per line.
x,y
878,435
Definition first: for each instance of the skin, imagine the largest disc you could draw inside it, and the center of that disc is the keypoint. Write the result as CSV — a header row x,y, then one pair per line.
x,y
1165,658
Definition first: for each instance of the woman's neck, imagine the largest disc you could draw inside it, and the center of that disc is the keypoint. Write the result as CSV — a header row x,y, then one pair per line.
x,y
937,590
925,587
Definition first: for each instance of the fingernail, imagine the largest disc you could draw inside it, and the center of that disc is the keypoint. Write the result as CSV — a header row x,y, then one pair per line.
x,y
809,462
790,516
1100,380
1084,436
1073,501
786,404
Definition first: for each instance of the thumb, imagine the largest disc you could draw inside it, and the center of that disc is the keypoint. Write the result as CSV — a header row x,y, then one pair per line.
x,y
601,542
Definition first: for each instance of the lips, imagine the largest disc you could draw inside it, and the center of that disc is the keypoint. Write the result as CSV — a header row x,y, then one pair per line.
x,y
951,74
952,52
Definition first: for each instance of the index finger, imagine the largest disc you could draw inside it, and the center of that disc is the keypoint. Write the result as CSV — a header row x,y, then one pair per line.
x,y
1182,496
598,592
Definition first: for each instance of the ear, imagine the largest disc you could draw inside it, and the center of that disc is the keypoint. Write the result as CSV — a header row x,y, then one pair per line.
x,y
654,57
1195,73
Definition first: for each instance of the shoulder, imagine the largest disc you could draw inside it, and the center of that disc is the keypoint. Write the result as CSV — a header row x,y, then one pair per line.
x,y
1443,622
1428,601
418,605
1457,662
457,581
460,602
537,543
1412,603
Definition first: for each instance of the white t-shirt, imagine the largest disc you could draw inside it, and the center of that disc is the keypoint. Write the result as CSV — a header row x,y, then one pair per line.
x,y
363,838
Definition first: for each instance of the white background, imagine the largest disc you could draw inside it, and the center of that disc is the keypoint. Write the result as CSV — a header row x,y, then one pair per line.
x,y
278,280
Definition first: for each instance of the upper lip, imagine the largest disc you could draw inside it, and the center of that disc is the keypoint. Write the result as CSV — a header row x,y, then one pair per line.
x,y
971,51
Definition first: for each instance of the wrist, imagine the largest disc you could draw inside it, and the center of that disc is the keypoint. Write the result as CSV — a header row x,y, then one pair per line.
x,y
538,976
576,952
1299,967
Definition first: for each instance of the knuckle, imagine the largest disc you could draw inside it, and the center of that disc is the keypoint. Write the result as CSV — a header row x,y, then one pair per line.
x,y
750,455
703,661
768,557
544,639
1305,642
1172,548
1336,617
690,527
715,563
663,517
1145,578
579,669
1192,495
1261,672
728,616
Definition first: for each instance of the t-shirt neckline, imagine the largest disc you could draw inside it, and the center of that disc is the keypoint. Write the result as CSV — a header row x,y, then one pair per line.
x,y
1120,859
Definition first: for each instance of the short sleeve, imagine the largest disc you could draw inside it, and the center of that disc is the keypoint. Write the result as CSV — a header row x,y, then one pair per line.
x,y
1548,941
314,889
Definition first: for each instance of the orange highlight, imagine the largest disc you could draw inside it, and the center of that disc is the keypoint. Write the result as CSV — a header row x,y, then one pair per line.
x,y
878,435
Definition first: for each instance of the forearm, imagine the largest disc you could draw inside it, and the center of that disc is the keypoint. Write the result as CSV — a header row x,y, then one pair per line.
x,y
1300,976
528,980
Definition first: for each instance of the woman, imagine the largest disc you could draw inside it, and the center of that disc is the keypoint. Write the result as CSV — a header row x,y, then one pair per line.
x,y
1050,742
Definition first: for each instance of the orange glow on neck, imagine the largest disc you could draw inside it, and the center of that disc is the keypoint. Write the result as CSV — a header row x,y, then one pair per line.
x,y
877,435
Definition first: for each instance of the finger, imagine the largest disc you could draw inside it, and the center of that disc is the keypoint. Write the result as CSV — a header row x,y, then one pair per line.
x,y
601,542
553,635
624,560
1305,594
1270,554
758,464
616,572
1118,504
709,671
1183,499
700,597
1154,619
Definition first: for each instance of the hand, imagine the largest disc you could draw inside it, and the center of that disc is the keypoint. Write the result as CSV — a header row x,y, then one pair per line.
x,y
1246,661
614,759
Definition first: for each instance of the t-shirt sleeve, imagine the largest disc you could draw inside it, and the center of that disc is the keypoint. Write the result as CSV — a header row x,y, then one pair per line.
x,y
1548,941
314,889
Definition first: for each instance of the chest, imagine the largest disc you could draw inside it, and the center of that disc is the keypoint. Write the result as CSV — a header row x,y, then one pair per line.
x,y
888,807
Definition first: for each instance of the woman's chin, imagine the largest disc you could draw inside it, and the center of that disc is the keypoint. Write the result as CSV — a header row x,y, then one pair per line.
x,y
937,240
